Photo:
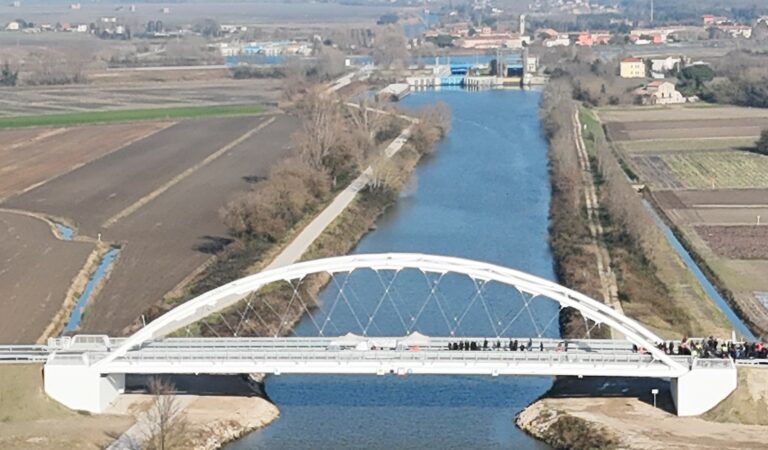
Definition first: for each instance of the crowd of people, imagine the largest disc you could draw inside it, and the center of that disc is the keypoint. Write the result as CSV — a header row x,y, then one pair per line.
x,y
704,348
712,348
513,345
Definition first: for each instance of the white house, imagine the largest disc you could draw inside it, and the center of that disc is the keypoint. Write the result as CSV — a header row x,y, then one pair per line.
x,y
561,40
663,65
13,26
660,92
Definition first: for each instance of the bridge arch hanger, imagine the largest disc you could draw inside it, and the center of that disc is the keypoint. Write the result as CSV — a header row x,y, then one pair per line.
x,y
229,294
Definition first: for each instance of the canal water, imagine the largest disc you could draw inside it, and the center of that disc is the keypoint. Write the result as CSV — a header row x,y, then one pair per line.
x,y
483,195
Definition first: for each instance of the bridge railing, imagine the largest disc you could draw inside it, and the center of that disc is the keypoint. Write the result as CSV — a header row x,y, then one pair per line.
x,y
389,355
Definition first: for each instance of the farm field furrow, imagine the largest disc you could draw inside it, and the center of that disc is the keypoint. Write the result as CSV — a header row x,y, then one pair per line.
x,y
736,242
695,198
723,216
171,236
719,169
655,171
37,271
98,190
675,113
687,133
137,95
44,153
656,146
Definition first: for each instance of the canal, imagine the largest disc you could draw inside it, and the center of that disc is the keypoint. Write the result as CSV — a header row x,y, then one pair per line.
x,y
483,195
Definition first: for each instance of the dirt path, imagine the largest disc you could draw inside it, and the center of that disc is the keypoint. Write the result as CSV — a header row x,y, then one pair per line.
x,y
604,268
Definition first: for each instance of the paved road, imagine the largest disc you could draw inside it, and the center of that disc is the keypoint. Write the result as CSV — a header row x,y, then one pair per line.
x,y
308,235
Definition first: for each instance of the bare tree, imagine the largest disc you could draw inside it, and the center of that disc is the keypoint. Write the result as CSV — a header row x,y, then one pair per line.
x,y
433,124
167,426
385,174
330,62
390,46
322,126
292,189
366,120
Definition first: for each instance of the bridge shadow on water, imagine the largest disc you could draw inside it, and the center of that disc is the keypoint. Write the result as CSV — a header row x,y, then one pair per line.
x,y
208,385
605,387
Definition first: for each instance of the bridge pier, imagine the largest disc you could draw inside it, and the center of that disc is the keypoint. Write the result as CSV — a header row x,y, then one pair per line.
x,y
707,384
81,388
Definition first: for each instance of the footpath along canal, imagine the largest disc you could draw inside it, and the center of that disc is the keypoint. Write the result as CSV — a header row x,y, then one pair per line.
x,y
483,195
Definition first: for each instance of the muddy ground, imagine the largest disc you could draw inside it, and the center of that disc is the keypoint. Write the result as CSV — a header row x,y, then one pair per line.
x,y
736,242
34,155
36,270
168,238
96,191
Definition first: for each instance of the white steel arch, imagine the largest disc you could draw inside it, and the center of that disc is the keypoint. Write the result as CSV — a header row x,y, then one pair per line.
x,y
229,294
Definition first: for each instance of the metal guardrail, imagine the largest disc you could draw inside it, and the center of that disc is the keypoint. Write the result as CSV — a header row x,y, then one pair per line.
x,y
759,363
389,356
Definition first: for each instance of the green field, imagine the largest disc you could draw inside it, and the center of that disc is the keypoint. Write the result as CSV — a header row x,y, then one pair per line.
x,y
721,170
128,115
592,129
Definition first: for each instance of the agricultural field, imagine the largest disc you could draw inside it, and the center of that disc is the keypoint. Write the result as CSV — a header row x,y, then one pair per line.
x,y
686,129
154,188
36,273
656,146
736,242
718,170
172,235
701,173
662,114
31,156
93,193
183,96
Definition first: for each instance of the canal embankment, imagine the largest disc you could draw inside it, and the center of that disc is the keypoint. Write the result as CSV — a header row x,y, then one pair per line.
x,y
332,230
483,195
651,271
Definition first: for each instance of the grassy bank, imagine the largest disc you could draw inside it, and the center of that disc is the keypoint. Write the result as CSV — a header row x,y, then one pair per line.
x,y
29,419
128,115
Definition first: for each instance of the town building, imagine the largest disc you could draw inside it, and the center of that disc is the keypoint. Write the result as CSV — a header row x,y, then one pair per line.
x,y
493,40
561,40
13,26
736,31
632,68
660,92
588,39
709,19
661,66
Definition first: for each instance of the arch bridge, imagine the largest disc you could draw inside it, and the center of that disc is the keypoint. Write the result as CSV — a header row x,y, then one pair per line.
x,y
379,314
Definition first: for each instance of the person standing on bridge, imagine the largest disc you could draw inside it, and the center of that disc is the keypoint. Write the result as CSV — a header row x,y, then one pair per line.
x,y
541,346
530,344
